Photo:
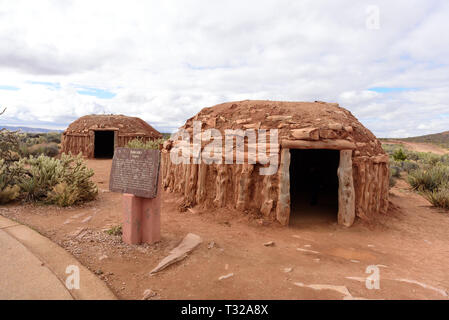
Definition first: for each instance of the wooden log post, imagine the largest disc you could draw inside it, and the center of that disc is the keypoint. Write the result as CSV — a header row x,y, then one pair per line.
x,y
243,186
220,185
346,193
190,192
267,201
201,188
385,188
283,205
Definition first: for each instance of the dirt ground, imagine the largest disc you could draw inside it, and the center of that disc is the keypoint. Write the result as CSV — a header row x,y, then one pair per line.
x,y
418,146
409,246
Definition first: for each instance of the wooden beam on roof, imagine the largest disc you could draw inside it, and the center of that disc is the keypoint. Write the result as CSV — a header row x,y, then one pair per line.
x,y
337,144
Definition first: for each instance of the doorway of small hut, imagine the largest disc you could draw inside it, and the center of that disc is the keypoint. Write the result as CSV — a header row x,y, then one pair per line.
x,y
104,144
313,187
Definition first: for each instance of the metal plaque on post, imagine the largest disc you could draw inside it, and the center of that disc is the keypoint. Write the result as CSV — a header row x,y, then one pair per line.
x,y
135,171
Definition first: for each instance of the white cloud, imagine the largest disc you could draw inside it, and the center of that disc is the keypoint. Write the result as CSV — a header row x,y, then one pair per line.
x,y
167,60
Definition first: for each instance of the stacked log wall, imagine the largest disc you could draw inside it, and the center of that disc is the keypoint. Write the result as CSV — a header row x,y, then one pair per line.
x,y
85,143
241,187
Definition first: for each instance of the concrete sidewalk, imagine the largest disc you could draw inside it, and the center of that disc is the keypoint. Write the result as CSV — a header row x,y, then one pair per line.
x,y
33,267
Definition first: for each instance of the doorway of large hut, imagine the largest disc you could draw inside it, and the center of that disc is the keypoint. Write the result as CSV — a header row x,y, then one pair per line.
x,y
104,144
313,186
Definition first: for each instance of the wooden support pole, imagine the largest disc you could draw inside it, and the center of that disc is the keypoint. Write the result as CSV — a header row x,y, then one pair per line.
x,y
283,205
220,185
243,186
346,194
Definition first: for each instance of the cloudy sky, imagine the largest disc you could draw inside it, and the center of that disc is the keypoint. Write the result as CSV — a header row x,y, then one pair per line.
x,y
386,61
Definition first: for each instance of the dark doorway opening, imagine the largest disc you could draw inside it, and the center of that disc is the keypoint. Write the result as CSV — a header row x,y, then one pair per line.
x,y
104,144
314,186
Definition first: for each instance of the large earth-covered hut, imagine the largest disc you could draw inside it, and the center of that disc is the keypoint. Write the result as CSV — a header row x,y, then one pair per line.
x,y
96,136
325,158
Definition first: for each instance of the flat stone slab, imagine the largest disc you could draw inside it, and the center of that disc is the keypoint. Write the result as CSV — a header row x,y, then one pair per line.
x,y
190,242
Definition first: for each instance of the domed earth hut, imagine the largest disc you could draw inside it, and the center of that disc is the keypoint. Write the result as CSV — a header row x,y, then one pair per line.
x,y
96,136
324,160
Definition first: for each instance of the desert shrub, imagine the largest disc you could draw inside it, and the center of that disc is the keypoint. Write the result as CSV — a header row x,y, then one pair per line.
x,y
390,148
392,182
9,193
399,155
141,144
445,159
8,190
63,195
439,197
63,182
9,145
54,137
47,149
428,158
395,171
409,166
115,231
430,178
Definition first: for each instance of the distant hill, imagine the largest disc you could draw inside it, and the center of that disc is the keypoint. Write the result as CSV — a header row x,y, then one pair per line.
x,y
440,139
29,129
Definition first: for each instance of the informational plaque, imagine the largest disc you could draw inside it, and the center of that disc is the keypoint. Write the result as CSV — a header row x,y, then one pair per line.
x,y
135,171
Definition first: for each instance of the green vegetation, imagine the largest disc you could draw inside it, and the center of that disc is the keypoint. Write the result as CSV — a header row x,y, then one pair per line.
x,y
115,231
429,178
427,173
399,155
141,144
63,182
14,145
439,198
41,178
32,144
8,190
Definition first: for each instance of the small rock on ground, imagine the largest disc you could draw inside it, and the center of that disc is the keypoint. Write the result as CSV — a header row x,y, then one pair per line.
x,y
226,276
148,294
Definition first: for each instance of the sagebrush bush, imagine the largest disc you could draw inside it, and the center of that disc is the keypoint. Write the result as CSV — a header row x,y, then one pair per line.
x,y
141,144
395,171
409,166
47,149
439,197
430,178
392,182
